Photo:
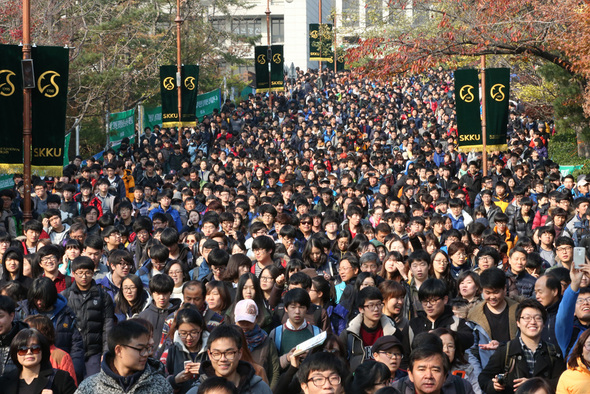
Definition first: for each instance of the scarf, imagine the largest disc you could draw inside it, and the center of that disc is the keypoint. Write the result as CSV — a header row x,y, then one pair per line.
x,y
255,337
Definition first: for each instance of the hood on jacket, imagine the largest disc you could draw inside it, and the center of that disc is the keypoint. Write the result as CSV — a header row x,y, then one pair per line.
x,y
248,377
180,345
386,323
60,304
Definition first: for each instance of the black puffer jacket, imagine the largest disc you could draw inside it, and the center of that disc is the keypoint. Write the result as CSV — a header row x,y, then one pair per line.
x,y
6,364
95,313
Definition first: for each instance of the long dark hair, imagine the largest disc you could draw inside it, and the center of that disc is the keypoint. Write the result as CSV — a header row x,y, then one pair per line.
x,y
123,306
258,296
577,352
314,242
15,254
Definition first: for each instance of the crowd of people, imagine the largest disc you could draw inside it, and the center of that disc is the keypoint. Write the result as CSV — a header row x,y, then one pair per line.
x,y
204,260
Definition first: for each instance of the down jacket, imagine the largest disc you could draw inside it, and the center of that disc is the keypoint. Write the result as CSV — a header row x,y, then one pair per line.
x,y
250,383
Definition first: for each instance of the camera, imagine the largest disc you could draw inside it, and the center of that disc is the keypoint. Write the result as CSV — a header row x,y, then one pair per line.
x,y
501,378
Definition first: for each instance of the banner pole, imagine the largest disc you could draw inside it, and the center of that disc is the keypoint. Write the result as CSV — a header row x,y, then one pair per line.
x,y
269,55
27,115
483,116
178,21
108,130
321,35
78,139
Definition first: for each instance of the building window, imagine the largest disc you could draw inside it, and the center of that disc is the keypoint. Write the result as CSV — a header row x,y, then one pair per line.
x,y
218,24
277,26
246,27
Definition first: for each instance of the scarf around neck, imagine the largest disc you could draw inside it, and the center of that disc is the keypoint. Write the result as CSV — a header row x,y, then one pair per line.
x,y
255,337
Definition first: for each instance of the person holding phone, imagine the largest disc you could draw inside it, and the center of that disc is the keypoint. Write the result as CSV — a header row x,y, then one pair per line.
x,y
183,358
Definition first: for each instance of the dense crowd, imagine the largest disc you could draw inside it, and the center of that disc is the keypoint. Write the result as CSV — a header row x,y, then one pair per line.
x,y
334,241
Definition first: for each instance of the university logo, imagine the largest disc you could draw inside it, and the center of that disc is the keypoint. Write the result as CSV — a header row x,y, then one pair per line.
x,y
466,94
48,87
6,87
168,83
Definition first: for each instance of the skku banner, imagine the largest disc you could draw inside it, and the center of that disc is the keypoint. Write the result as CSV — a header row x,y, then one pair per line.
x,y
189,91
262,56
320,42
468,115
497,95
11,109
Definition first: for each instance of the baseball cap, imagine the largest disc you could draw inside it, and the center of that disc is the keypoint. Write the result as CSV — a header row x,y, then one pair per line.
x,y
246,310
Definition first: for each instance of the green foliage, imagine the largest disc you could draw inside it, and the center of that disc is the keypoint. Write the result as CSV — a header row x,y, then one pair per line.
x,y
563,148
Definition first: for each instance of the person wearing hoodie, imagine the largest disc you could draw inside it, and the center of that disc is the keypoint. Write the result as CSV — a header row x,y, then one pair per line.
x,y
183,359
433,295
8,330
121,264
161,310
43,299
94,310
225,353
142,228
126,367
158,258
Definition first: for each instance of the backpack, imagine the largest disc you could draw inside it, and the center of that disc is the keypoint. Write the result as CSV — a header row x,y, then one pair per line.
x,y
510,362
279,333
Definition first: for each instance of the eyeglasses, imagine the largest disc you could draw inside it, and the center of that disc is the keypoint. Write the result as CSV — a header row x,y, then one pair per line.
x,y
320,381
24,350
391,354
581,301
373,307
448,347
83,274
563,248
192,334
130,288
266,278
142,351
431,301
174,272
537,318
48,259
229,355
128,265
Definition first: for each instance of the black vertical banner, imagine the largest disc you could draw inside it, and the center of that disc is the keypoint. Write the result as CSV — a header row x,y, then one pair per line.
x,y
468,109
169,96
190,89
320,41
497,95
11,109
49,104
277,71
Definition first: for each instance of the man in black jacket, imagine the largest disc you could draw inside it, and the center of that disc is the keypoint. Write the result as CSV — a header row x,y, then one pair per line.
x,y
524,357
94,310
8,329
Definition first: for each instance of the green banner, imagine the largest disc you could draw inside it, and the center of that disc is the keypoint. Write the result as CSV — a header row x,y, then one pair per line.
x,y
152,117
67,149
207,102
49,104
11,109
340,61
261,57
468,115
6,181
320,42
121,125
497,95
189,91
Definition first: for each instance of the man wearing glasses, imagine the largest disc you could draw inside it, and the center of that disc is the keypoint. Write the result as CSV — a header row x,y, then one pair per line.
x,y
321,373
367,327
524,357
225,351
126,367
389,351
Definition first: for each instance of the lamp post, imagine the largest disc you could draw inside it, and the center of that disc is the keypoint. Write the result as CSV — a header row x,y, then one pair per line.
x,y
179,22
321,36
27,119
269,55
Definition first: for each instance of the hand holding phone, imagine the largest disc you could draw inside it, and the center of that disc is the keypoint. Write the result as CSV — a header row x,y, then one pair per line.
x,y
579,257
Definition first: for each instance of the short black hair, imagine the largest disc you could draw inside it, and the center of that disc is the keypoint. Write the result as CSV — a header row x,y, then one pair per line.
x,y
7,304
530,303
218,257
264,242
369,294
493,278
301,279
123,333
162,284
216,384
82,262
159,252
298,296
225,331
424,352
321,361
94,242
169,237
432,288
34,225
22,338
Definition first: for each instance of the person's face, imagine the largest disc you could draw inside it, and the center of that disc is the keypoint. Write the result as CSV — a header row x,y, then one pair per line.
x,y
175,273
322,382
346,271
368,282
40,192
296,313
189,334
468,288
249,292
543,294
428,375
565,253
494,297
83,278
129,291
225,356
370,266
130,357
5,322
533,327
440,263
586,350
390,357
193,295
49,263
161,300
208,229
517,262
213,299
32,236
434,306
165,202
372,310
12,265
91,217
33,354
419,270
448,346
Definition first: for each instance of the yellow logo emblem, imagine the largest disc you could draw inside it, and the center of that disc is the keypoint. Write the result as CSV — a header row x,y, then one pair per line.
x,y
276,58
189,83
261,59
168,83
50,89
466,94
314,34
497,92
6,88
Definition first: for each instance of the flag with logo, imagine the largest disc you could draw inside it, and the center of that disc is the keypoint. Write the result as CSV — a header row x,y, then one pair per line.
x,y
261,59
497,95
121,125
11,109
320,42
468,110
189,90
337,57
49,105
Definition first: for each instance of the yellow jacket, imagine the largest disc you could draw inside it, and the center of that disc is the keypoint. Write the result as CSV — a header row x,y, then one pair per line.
x,y
574,380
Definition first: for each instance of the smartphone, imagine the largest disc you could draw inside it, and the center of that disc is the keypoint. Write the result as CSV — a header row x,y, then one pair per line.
x,y
187,362
579,257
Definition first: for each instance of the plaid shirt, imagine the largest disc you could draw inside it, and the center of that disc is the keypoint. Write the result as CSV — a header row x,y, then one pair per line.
x,y
529,355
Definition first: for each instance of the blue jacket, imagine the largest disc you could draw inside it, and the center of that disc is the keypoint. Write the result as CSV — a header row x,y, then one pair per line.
x,y
108,285
173,212
567,327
